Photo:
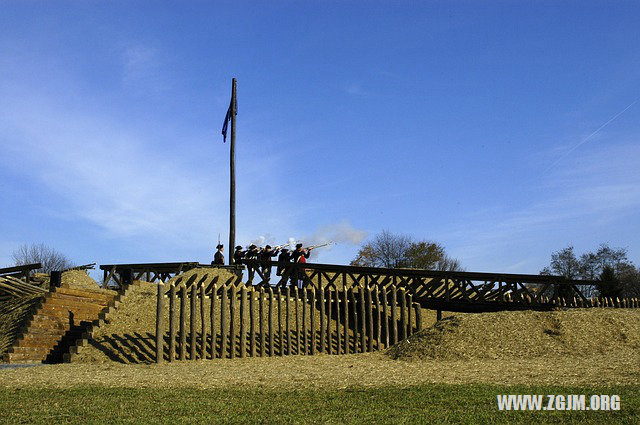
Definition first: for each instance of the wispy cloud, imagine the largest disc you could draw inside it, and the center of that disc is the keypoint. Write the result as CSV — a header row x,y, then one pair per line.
x,y
602,188
127,185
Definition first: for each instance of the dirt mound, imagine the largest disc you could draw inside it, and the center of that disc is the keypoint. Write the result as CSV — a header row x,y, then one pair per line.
x,y
81,280
203,272
509,335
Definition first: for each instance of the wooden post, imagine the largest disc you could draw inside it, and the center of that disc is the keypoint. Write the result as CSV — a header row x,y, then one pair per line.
x,y
329,314
223,321
192,318
312,304
243,329
212,318
172,322
376,298
354,308
345,296
337,301
252,322
160,324
288,317
418,317
385,314
297,301
403,314
438,315
363,320
232,321
409,314
369,319
261,324
232,173
323,330
183,324
280,330
394,321
203,325
271,345
305,344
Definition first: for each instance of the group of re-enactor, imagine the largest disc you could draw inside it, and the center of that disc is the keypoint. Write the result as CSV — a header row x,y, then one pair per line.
x,y
265,255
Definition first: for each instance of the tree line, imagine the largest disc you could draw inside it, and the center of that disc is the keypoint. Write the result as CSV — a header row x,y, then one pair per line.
x,y
615,274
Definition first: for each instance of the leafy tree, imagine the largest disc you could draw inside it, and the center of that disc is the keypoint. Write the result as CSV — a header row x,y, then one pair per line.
x,y
41,253
563,263
609,285
400,251
592,265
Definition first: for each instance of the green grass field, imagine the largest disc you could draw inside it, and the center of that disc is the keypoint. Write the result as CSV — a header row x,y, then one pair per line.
x,y
419,404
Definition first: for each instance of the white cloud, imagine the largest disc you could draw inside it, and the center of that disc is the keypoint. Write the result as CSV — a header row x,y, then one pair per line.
x,y
127,185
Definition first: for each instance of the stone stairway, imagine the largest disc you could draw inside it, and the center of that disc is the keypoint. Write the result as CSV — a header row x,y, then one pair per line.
x,y
62,318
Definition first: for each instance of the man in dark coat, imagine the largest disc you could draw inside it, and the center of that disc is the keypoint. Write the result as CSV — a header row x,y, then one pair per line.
x,y
300,255
283,260
238,255
251,254
218,257
265,257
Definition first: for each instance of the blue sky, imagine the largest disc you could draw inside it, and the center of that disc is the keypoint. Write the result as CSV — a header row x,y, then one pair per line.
x,y
480,125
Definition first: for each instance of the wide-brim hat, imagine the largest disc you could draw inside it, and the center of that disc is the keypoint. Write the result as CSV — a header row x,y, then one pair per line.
x,y
299,245
239,248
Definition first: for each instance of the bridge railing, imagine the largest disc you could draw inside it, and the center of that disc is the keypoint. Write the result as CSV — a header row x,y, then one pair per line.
x,y
446,290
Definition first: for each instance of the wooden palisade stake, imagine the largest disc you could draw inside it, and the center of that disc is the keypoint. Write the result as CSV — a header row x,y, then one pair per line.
x,y
223,321
312,326
172,322
394,321
280,330
183,322
203,325
329,300
212,318
270,325
336,297
160,324
252,321
345,305
243,329
321,303
192,320
304,321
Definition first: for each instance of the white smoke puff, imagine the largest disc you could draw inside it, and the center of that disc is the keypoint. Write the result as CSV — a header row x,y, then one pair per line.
x,y
339,233
264,240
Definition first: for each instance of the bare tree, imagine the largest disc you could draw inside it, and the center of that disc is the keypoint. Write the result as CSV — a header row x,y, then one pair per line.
x,y
400,251
41,253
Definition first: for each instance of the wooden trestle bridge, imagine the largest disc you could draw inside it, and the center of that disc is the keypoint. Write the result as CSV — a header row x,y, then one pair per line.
x,y
438,290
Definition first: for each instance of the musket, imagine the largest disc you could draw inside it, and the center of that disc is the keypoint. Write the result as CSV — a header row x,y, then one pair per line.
x,y
277,247
319,245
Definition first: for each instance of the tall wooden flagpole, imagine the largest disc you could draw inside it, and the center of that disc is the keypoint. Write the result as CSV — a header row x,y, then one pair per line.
x,y
232,185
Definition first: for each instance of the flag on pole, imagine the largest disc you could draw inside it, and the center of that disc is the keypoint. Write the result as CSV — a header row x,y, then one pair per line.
x,y
227,119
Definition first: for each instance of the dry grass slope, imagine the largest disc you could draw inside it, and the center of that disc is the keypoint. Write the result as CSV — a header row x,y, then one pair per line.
x,y
512,335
